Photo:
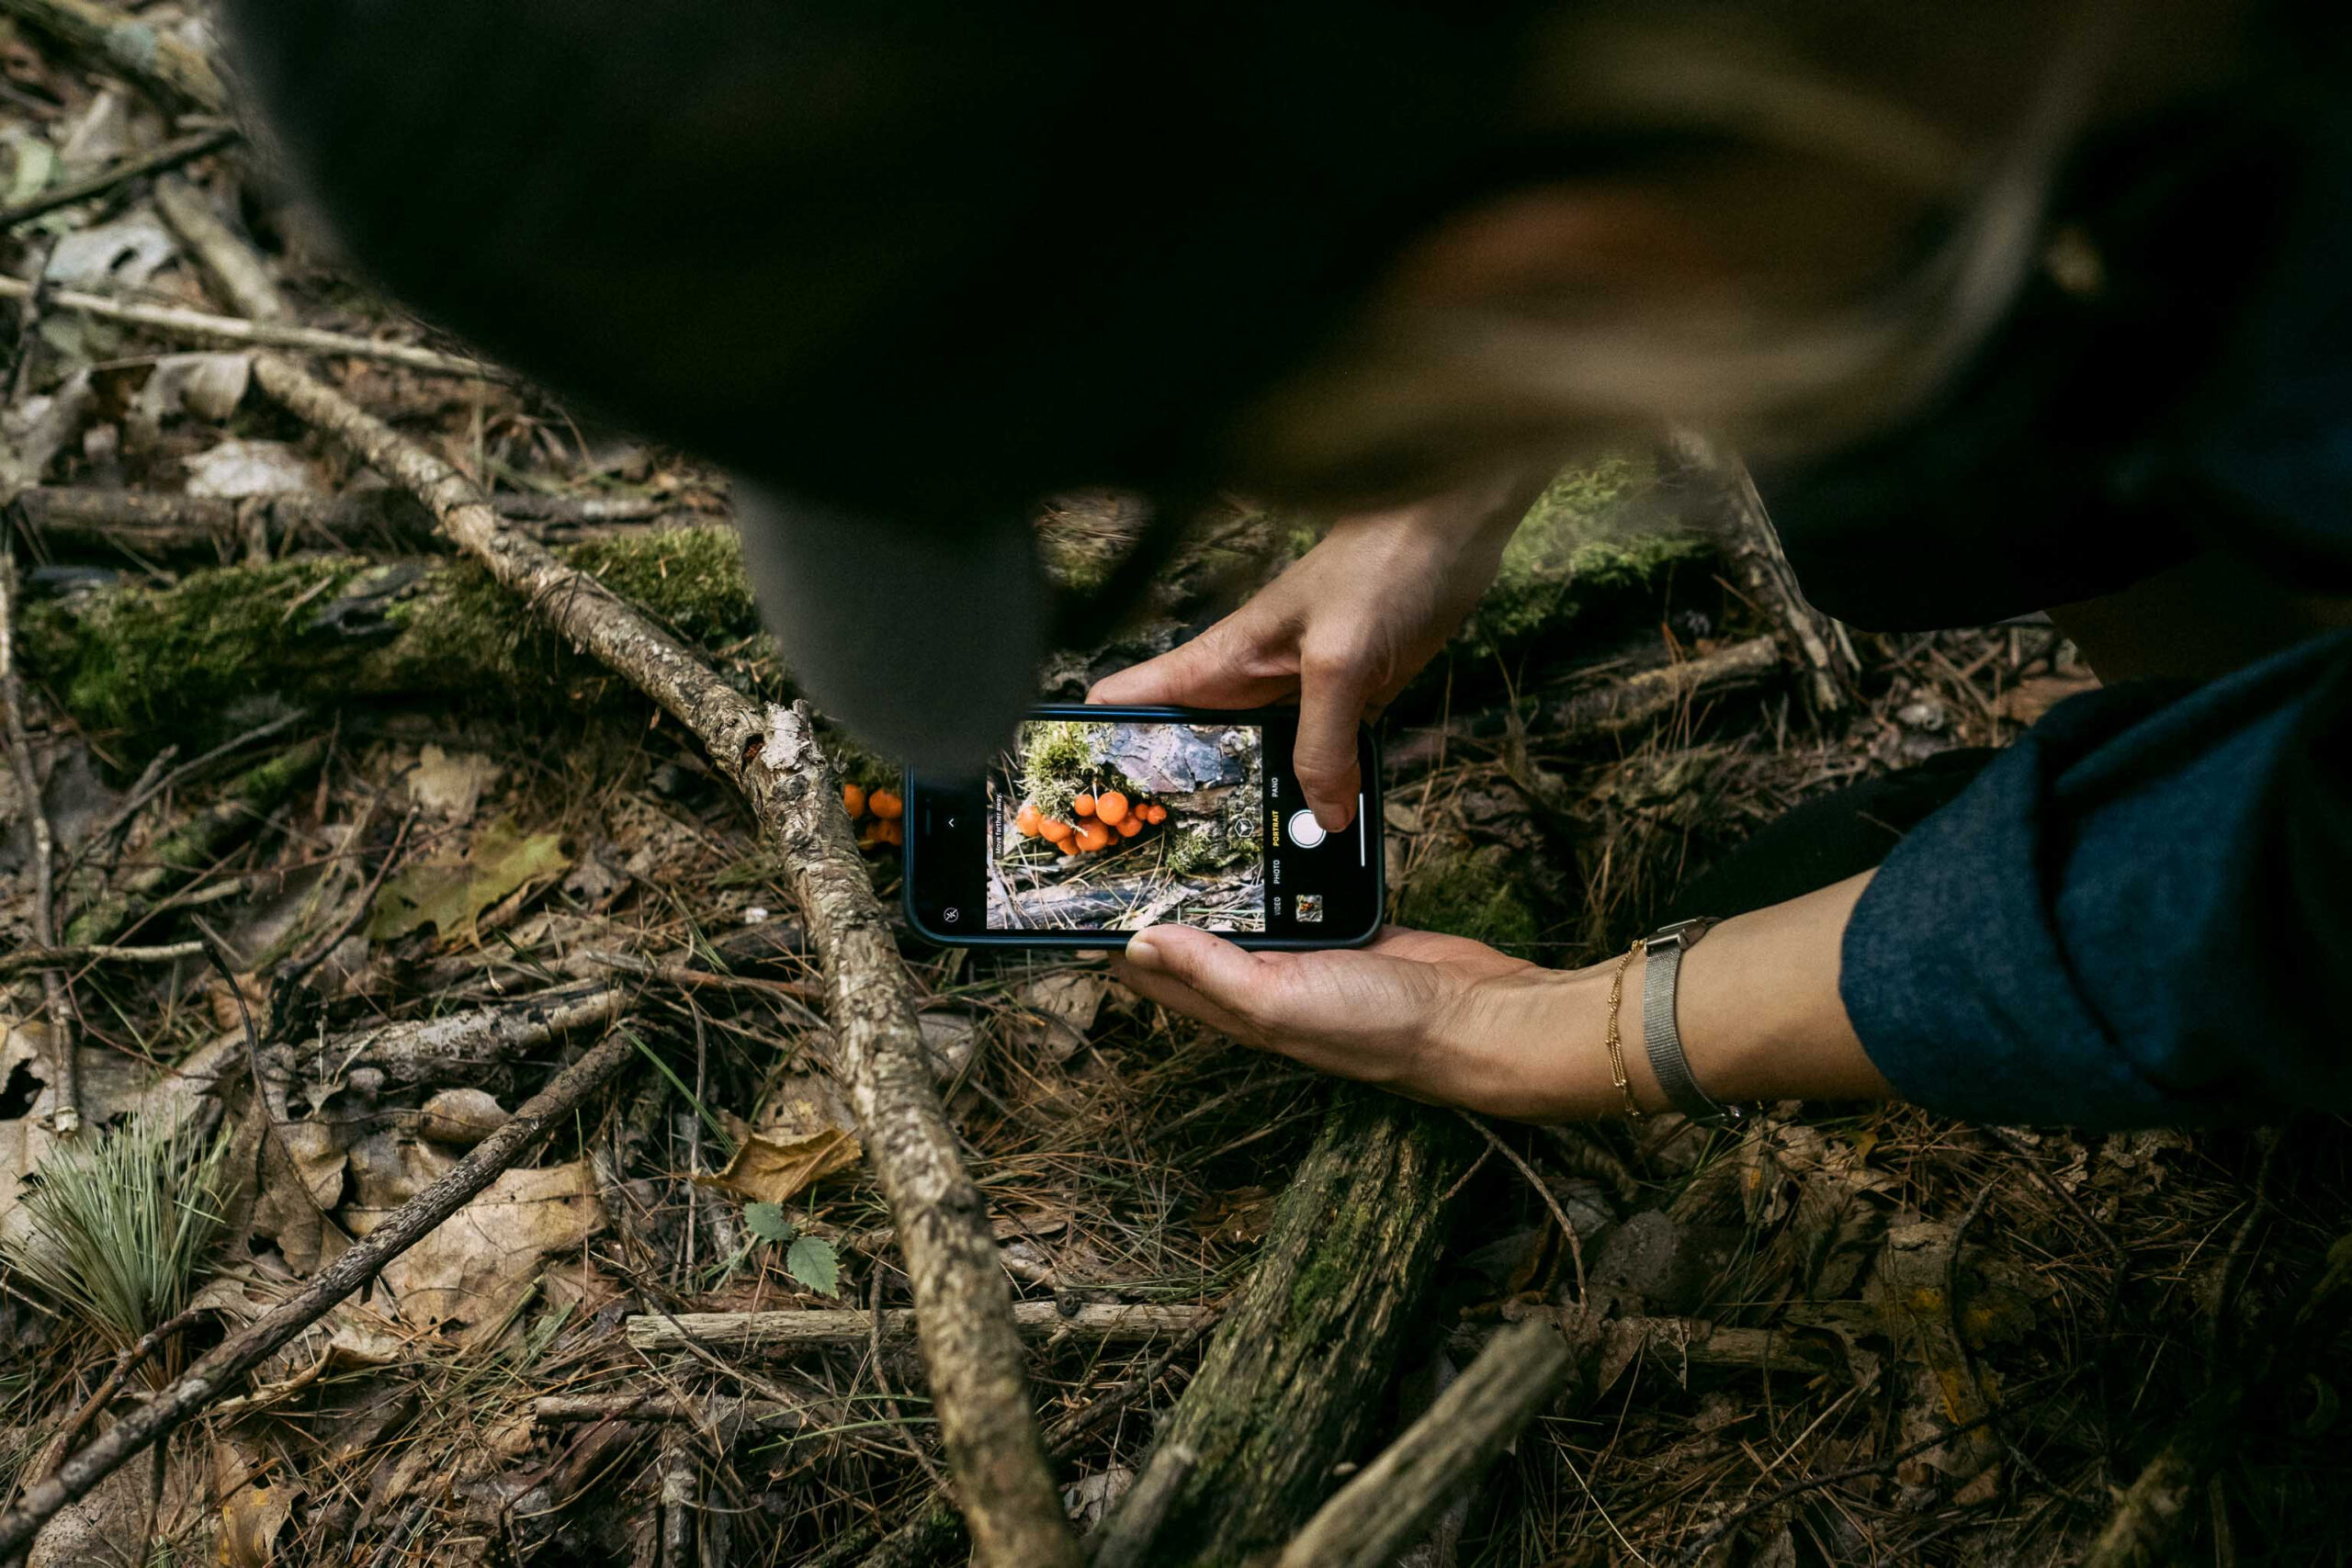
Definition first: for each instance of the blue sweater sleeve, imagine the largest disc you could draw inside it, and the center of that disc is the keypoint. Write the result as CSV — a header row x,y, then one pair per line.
x,y
2141,913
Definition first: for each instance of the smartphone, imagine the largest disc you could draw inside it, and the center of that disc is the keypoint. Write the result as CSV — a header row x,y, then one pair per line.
x,y
1099,821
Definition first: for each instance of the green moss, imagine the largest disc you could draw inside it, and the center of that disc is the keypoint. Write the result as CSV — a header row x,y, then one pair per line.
x,y
1572,552
141,657
1474,895
1060,757
182,659
692,579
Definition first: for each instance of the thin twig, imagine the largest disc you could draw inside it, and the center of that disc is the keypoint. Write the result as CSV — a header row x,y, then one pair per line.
x,y
237,1355
149,788
1543,1191
295,971
174,321
131,47
57,1002
170,155
47,957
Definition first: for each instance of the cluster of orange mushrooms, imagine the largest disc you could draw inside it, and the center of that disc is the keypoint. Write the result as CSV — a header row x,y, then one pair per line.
x,y
1102,821
887,825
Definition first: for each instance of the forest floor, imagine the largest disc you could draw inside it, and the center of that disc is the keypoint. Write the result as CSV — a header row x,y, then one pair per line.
x,y
335,822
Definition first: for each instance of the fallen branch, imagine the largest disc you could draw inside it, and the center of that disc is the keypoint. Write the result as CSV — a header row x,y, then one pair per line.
x,y
234,266
1388,1505
65,957
782,1333
234,1357
1293,1380
174,527
170,155
1611,708
933,1531
57,1004
176,321
456,1048
1752,547
139,50
962,1306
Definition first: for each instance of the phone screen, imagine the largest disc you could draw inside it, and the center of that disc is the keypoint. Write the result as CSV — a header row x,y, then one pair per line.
x,y
1101,821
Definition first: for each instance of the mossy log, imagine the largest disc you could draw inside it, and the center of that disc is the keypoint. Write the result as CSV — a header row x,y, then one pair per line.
x,y
1293,1383
324,630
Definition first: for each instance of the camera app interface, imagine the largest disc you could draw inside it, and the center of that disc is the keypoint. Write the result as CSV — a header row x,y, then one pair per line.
x,y
1114,825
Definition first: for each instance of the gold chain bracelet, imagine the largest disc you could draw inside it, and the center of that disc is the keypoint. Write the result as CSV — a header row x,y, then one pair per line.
x,y
1616,1044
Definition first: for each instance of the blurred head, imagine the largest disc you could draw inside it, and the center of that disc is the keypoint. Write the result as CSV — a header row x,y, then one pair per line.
x,y
908,269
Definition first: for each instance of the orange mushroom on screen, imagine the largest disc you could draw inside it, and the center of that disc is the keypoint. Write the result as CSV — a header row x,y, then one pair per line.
x,y
1094,836
853,800
1129,827
1112,807
886,805
1028,821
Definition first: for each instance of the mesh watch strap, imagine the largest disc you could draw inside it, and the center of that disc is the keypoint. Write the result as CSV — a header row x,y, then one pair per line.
x,y
1660,979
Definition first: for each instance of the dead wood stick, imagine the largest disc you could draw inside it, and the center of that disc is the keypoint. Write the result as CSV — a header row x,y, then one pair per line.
x,y
780,1333
1386,1505
174,321
238,1355
234,266
932,1530
1736,515
173,526
170,155
1601,711
455,1047
137,49
962,1303
1124,1537
59,957
1294,1376
57,1004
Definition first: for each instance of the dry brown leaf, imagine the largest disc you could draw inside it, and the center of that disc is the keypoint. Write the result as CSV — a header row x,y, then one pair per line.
x,y
476,1267
254,1509
1059,1009
450,786
771,1169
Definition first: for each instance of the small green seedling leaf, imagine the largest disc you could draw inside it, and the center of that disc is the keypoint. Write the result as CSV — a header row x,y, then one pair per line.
x,y
816,1265
766,1220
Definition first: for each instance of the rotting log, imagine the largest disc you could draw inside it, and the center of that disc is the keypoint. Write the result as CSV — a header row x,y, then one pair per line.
x,y
963,1306
1389,1504
1293,1381
326,630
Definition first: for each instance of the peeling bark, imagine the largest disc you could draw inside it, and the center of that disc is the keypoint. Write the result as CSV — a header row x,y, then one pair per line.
x,y
1293,1382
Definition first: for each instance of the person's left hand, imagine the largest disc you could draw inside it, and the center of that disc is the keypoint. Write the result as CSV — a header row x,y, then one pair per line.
x,y
1432,1017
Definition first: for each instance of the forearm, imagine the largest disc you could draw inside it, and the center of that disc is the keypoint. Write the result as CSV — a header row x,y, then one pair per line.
x,y
1757,1008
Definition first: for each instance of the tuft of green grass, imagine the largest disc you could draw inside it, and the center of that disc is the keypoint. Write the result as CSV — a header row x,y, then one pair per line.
x,y
120,1222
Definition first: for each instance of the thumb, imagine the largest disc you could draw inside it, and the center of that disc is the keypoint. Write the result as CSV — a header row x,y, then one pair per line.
x,y
1220,973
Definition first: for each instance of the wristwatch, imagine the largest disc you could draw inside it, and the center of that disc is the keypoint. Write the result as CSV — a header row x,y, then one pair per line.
x,y
1660,977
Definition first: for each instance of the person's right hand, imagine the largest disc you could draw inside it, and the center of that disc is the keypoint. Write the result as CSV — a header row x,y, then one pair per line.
x,y
1342,630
